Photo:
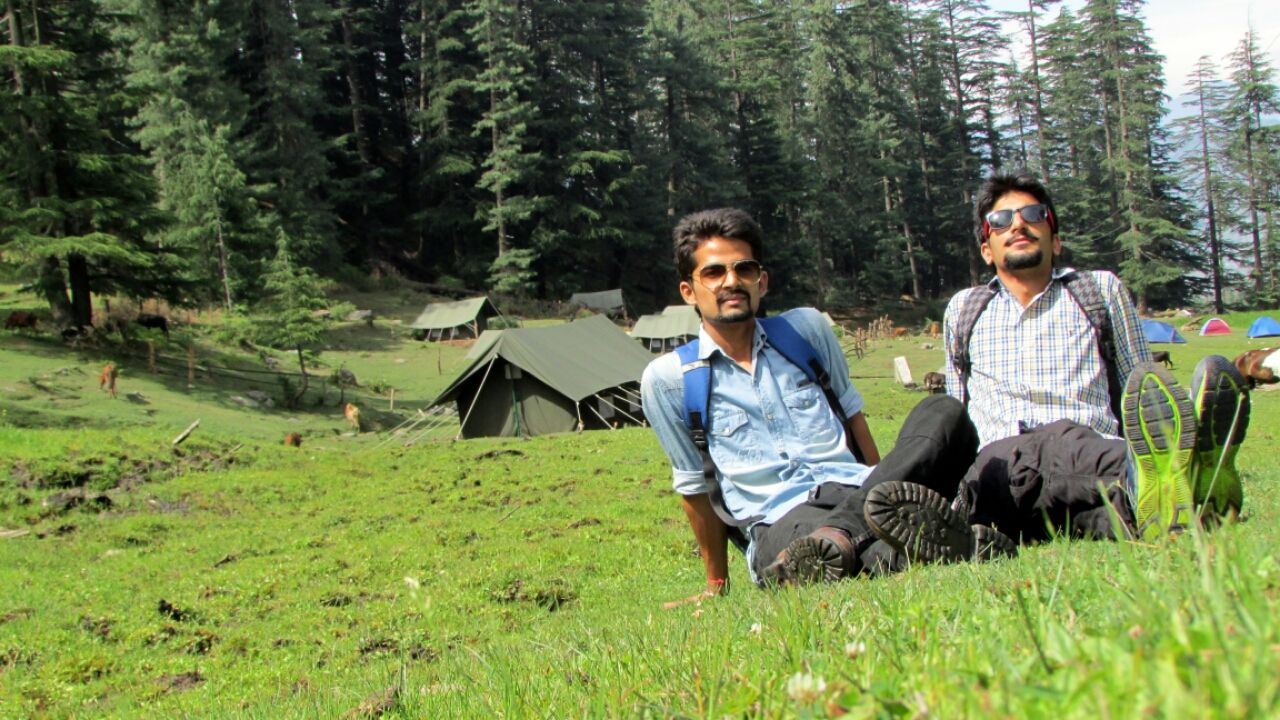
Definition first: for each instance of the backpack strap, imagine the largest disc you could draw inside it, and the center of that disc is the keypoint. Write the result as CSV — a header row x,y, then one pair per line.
x,y
1084,289
791,345
696,374
974,303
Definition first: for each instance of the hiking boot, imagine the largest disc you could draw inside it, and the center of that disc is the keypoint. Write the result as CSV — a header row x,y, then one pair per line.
x,y
1160,428
918,522
824,555
991,544
1221,402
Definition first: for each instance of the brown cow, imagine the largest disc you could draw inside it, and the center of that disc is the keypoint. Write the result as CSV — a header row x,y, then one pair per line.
x,y
293,439
352,414
107,379
1259,366
19,319
935,382
899,332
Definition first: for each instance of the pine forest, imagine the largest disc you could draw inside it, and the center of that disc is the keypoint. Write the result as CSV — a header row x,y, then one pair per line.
x,y
189,149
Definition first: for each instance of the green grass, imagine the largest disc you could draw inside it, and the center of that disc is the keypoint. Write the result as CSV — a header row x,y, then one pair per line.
x,y
235,577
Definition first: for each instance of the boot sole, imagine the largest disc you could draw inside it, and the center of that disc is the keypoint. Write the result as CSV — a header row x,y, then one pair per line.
x,y
918,522
991,544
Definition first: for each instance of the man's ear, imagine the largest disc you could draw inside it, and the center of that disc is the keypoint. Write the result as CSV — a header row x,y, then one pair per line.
x,y
1057,244
686,292
985,249
764,282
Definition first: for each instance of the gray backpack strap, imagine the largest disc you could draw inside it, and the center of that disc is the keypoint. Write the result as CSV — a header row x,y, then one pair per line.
x,y
970,310
1084,289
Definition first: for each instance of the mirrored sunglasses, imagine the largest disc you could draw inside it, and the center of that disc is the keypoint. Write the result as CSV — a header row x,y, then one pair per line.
x,y
1001,219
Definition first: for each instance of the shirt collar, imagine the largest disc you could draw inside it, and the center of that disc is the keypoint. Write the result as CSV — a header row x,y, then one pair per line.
x,y
1058,273
707,346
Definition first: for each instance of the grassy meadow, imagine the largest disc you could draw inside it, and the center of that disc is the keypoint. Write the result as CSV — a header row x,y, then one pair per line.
x,y
358,576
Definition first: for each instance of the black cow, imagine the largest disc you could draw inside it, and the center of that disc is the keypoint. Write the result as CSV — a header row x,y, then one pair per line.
x,y
155,322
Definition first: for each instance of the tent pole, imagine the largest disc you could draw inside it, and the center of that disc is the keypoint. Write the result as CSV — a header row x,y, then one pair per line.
x,y
476,397
606,422
619,410
577,406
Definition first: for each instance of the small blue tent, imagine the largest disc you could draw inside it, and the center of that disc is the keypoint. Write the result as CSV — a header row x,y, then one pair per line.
x,y
1161,332
1264,326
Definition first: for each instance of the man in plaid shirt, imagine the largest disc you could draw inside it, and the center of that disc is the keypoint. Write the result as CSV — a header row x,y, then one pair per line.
x,y
1054,457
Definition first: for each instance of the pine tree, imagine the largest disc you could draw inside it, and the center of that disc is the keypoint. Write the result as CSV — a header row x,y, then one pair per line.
x,y
78,201
286,318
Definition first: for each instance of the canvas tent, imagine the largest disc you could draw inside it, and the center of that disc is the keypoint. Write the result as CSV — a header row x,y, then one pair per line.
x,y
1215,326
449,320
608,302
1161,332
1264,326
534,381
674,326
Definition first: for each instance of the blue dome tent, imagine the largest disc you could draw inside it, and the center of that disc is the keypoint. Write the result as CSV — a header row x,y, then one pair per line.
x,y
1161,332
1265,326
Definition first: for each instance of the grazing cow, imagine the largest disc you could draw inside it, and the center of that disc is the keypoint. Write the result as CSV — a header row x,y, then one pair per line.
x,y
155,322
935,382
293,439
107,379
21,319
1259,366
935,329
899,332
352,414
1162,356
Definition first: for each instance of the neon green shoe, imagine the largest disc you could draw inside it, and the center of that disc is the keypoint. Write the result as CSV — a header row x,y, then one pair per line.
x,y
1221,401
1161,430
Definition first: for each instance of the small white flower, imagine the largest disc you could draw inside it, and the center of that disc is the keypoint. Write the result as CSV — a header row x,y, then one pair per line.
x,y
412,582
854,649
756,628
805,688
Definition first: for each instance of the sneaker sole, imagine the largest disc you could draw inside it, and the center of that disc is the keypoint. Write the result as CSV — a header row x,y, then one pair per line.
x,y
918,522
1217,408
1160,426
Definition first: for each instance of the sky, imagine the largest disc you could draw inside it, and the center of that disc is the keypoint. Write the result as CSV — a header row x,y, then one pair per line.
x,y
1184,30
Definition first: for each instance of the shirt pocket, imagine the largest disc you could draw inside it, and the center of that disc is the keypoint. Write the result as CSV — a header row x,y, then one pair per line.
x,y
814,420
727,423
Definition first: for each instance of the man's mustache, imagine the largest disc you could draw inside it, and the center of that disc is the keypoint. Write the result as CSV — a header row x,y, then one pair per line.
x,y
722,297
1024,233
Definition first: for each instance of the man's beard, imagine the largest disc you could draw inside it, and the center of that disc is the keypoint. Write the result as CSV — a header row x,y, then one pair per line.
x,y
1024,260
741,314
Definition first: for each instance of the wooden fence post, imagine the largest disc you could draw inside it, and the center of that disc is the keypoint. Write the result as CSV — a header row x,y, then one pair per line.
x,y
151,356
191,365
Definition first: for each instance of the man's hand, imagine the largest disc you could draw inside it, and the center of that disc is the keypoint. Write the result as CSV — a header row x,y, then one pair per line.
x,y
719,586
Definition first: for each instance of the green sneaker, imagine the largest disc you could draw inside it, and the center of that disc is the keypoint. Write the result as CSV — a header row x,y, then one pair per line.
x,y
1220,397
1161,430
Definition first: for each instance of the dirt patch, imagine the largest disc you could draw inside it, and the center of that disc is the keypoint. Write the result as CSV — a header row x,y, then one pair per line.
x,y
98,627
336,600
180,682
173,612
554,595
379,645
584,522
377,704
18,614
501,452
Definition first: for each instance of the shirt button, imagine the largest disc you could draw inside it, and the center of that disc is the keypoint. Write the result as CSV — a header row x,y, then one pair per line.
x,y
768,417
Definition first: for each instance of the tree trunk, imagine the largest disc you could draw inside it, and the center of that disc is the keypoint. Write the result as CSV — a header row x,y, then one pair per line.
x,y
302,365
1215,252
81,299
1042,144
222,259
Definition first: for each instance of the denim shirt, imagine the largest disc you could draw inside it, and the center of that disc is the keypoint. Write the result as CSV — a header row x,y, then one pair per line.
x,y
771,433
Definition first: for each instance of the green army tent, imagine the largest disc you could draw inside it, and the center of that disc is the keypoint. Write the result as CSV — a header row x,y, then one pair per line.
x,y
449,320
608,302
676,325
533,381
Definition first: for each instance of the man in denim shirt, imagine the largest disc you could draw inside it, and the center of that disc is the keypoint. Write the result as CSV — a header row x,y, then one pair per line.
x,y
784,460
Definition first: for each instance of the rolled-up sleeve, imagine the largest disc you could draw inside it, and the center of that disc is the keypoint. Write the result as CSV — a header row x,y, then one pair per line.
x,y
949,317
662,394
1126,328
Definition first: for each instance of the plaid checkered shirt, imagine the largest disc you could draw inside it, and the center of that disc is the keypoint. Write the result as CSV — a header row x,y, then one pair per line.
x,y
1035,365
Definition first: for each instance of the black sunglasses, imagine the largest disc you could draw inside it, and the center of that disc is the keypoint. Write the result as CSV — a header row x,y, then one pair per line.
x,y
713,275
1001,219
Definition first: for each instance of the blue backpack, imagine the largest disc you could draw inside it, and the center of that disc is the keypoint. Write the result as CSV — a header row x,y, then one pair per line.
x,y
697,396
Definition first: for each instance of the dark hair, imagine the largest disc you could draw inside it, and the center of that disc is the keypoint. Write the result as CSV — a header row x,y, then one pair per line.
x,y
697,228
997,186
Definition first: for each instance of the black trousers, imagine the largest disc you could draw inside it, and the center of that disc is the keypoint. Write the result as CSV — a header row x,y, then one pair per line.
x,y
1057,478
936,445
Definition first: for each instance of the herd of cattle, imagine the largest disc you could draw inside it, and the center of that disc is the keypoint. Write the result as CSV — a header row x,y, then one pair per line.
x,y
24,320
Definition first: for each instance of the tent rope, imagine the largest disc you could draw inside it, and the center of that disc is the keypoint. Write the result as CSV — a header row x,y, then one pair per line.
x,y
476,398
